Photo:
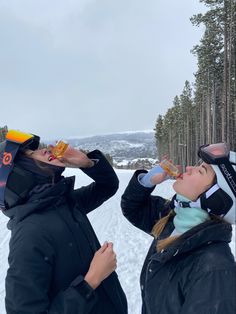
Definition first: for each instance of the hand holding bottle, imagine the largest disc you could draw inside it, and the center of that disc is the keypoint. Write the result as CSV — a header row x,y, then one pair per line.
x,y
161,172
69,156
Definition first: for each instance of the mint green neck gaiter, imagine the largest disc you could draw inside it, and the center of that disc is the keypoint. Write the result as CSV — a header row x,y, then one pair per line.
x,y
187,218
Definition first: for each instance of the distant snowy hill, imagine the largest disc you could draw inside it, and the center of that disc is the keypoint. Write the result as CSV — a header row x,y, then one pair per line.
x,y
121,146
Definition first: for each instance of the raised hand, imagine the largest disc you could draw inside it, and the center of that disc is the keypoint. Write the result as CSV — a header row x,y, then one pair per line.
x,y
159,177
74,158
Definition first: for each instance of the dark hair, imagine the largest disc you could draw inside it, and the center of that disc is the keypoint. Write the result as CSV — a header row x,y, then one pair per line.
x,y
46,170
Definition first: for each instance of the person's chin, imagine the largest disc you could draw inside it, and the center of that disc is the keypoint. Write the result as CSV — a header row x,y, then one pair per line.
x,y
174,185
177,186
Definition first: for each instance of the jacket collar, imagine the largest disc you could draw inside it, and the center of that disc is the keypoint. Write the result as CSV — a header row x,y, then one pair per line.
x,y
201,235
39,201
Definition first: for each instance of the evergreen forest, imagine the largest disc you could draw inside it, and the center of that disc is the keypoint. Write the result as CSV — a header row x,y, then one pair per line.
x,y
205,111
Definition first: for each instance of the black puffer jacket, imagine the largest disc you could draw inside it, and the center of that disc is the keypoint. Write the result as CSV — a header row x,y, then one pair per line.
x,y
196,274
52,245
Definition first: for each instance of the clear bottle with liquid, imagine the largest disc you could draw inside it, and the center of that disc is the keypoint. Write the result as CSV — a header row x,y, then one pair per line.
x,y
170,168
59,149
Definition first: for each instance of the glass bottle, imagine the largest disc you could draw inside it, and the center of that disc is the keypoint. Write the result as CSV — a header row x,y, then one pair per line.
x,y
168,166
59,149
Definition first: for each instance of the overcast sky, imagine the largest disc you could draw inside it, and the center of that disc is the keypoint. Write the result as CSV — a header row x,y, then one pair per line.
x,y
86,67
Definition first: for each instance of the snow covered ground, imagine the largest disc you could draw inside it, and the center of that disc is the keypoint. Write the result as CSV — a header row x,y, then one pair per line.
x,y
130,244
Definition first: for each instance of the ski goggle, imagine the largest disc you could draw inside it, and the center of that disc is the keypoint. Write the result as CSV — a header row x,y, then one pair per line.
x,y
15,141
218,154
214,153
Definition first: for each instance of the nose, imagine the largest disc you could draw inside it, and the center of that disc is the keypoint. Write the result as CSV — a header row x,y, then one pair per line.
x,y
45,150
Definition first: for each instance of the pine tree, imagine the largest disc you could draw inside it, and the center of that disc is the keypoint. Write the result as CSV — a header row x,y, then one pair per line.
x,y
3,132
210,115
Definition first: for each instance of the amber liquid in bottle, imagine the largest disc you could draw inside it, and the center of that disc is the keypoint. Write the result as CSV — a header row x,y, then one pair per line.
x,y
59,150
171,169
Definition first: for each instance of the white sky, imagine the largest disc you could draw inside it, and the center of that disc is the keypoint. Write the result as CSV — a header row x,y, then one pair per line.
x,y
80,68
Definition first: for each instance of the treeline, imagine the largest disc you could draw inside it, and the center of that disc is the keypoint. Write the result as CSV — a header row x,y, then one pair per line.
x,y
3,132
137,163
206,113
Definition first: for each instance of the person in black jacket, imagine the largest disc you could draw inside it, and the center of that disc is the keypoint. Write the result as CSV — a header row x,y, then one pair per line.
x,y
56,264
189,268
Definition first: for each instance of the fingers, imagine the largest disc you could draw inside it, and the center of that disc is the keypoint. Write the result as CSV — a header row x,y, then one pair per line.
x,y
108,249
110,246
112,255
115,262
103,247
104,261
180,168
50,146
61,159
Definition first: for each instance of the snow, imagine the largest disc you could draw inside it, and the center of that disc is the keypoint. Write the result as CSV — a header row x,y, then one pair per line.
x,y
109,133
124,143
124,162
131,245
151,160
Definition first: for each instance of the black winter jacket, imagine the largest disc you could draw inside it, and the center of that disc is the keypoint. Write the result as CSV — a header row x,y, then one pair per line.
x,y
52,245
194,275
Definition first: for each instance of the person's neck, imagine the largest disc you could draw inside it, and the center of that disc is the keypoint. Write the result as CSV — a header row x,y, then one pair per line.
x,y
188,217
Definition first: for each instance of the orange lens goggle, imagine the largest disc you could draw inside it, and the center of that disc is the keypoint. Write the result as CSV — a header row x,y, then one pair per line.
x,y
18,137
27,139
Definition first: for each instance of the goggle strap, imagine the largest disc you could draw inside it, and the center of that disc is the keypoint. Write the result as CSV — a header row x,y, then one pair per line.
x,y
6,165
229,174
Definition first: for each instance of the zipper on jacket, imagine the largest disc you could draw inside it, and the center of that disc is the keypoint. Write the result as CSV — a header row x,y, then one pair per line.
x,y
146,275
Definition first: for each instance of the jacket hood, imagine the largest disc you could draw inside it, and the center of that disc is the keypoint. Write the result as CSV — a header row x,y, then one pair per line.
x,y
39,201
203,234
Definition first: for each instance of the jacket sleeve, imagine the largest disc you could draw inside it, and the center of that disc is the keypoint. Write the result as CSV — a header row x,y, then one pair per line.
x,y
141,208
104,186
78,298
212,292
28,280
